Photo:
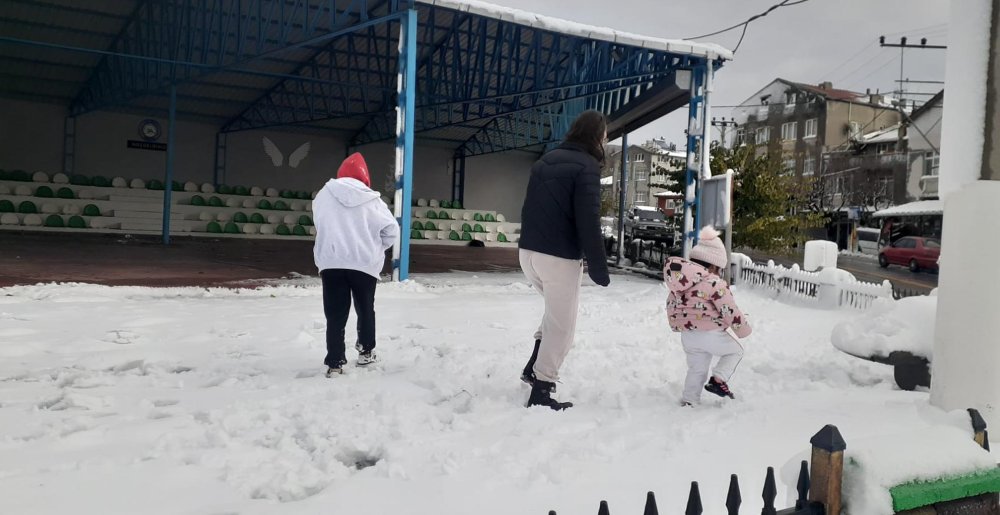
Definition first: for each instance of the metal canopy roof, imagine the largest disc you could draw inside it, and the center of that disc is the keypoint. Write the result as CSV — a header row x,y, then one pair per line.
x,y
489,78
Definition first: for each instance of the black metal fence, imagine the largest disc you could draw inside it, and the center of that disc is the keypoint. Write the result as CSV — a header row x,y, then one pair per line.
x,y
734,499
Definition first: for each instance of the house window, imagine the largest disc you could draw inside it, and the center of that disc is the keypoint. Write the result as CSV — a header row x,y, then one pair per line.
x,y
763,135
789,165
640,175
885,186
790,98
741,137
931,163
811,127
641,198
788,130
809,166
840,185
638,158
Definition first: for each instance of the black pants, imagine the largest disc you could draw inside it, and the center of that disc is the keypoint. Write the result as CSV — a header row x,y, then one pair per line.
x,y
339,286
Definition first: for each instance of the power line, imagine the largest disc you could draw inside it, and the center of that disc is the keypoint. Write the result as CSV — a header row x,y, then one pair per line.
x,y
849,59
876,70
785,3
878,54
921,29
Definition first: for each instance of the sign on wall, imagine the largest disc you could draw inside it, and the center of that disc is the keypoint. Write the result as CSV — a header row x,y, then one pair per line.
x,y
147,145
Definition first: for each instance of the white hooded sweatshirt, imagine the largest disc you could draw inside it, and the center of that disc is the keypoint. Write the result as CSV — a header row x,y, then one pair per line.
x,y
353,227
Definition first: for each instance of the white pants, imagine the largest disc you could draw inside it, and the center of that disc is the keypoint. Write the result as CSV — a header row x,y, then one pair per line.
x,y
558,280
701,347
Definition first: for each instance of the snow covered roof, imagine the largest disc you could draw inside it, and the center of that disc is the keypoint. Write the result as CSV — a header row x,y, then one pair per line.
x,y
646,208
668,194
922,207
678,46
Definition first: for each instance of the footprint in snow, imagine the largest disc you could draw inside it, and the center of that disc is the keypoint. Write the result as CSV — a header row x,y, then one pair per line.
x,y
121,337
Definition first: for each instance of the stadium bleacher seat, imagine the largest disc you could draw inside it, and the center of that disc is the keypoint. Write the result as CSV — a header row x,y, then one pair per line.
x,y
76,222
54,221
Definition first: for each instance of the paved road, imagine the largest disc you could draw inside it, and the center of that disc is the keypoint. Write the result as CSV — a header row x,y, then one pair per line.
x,y
867,269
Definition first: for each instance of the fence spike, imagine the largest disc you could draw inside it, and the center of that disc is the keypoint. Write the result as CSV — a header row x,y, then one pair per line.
x,y
734,499
552,512
986,439
803,486
694,500
650,505
769,494
603,510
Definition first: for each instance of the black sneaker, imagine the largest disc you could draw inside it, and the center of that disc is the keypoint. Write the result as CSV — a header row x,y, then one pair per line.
x,y
367,358
719,388
541,395
336,369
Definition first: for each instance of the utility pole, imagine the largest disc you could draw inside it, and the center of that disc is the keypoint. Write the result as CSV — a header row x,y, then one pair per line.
x,y
725,124
966,355
902,46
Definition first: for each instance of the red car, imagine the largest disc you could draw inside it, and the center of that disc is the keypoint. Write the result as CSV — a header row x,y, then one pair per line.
x,y
914,252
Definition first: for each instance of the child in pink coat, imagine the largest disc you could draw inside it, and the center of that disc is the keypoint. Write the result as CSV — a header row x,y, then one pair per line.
x,y
701,308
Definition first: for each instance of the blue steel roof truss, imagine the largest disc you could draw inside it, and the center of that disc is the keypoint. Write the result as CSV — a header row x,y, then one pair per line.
x,y
171,41
485,84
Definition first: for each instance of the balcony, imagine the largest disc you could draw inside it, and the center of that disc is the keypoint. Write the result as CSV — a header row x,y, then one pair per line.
x,y
929,186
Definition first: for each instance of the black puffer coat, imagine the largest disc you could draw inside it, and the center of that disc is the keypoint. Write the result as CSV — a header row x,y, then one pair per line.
x,y
561,214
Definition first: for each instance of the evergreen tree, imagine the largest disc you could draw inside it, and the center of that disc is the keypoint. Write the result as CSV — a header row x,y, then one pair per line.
x,y
768,204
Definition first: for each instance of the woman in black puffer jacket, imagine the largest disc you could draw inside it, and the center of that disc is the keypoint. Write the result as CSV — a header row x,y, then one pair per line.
x,y
560,225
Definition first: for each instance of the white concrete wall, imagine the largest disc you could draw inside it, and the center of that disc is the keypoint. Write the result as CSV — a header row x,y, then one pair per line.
x,y
498,182
101,148
494,182
962,134
247,164
31,136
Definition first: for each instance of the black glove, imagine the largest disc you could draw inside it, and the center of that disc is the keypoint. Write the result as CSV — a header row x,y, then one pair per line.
x,y
599,275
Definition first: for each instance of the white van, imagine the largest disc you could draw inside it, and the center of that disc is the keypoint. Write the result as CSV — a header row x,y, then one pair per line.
x,y
868,240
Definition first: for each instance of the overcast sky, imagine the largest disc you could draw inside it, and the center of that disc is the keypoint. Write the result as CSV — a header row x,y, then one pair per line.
x,y
835,40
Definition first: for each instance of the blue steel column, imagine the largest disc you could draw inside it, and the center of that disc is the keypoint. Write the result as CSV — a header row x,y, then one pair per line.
x,y
219,170
622,190
168,180
694,137
406,89
458,179
69,145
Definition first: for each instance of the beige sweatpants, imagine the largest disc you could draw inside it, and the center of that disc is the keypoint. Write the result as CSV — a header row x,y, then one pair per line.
x,y
558,280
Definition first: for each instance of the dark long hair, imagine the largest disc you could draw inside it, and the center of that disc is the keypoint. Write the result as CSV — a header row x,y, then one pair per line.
x,y
588,130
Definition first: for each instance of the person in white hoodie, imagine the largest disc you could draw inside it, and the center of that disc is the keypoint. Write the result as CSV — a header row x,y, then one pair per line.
x,y
354,228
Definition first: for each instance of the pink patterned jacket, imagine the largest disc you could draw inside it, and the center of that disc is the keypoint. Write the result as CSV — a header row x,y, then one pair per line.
x,y
700,300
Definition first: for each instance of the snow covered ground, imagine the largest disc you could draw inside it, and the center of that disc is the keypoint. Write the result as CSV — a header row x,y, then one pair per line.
x,y
210,401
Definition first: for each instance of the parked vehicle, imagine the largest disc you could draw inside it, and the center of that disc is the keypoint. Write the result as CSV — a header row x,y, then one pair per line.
x,y
868,240
915,252
648,223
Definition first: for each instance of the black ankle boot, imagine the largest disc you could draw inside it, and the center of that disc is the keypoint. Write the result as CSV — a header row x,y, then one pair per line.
x,y
528,375
541,395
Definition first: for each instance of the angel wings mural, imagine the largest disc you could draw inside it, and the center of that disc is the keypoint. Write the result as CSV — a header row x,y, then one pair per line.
x,y
278,158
